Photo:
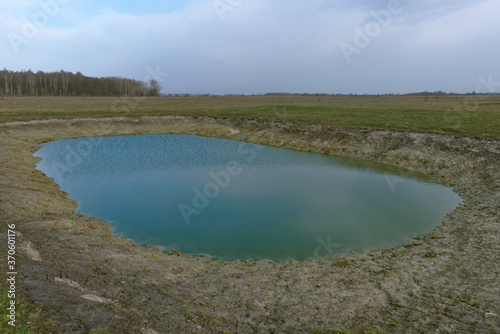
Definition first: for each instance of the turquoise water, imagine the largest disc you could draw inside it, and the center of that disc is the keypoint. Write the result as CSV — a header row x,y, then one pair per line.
x,y
234,200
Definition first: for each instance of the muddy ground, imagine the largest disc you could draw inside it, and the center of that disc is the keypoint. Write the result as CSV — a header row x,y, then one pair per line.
x,y
84,277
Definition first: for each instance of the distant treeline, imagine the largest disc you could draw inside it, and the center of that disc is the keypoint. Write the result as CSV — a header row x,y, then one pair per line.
x,y
425,93
439,93
23,83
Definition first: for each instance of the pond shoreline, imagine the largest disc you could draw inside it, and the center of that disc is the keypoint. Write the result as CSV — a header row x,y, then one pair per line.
x,y
177,191
84,277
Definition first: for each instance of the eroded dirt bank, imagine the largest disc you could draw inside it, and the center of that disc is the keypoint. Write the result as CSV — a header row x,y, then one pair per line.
x,y
84,277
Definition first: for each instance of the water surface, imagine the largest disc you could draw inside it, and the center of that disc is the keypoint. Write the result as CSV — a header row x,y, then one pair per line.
x,y
234,200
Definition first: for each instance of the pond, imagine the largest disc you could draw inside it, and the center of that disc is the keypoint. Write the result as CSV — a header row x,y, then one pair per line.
x,y
234,200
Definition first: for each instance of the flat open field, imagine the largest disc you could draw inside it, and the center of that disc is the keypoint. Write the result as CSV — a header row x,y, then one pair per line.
x,y
75,276
473,116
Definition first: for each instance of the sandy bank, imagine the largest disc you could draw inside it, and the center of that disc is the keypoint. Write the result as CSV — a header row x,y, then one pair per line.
x,y
84,277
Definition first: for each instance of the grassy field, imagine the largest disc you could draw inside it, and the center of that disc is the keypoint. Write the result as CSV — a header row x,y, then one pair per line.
x,y
473,116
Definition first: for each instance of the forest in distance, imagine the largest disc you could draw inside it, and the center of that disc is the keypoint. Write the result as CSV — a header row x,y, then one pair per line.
x,y
62,83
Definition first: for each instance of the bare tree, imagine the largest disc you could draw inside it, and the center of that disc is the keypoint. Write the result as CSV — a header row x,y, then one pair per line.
x,y
154,88
66,83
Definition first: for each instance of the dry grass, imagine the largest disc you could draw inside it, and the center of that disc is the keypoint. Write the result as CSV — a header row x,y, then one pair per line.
x,y
473,116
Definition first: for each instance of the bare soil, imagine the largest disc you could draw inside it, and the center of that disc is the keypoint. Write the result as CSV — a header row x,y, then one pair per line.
x,y
83,276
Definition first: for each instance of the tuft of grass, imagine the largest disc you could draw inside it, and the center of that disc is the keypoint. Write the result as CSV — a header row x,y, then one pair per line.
x,y
49,324
100,330
163,292
431,255
119,309
391,324
344,263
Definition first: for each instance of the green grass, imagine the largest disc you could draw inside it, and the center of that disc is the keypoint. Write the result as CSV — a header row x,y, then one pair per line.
x,y
28,319
471,116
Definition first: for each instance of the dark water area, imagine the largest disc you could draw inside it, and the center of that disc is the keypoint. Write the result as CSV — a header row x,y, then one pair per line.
x,y
234,200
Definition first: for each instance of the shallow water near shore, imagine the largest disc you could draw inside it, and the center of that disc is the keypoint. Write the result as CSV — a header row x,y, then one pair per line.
x,y
234,200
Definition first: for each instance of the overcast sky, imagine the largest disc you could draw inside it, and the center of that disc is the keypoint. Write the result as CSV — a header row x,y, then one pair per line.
x,y
260,46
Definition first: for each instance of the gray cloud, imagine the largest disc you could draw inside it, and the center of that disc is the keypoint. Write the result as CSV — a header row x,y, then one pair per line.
x,y
260,46
413,12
